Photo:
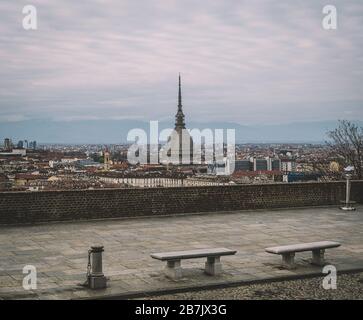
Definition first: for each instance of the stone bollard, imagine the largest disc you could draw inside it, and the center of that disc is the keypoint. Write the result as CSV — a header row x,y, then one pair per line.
x,y
96,278
348,203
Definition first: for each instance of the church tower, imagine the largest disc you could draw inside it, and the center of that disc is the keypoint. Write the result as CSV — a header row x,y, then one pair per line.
x,y
106,159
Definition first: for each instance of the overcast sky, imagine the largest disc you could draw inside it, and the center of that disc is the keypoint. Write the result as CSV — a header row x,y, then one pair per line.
x,y
251,62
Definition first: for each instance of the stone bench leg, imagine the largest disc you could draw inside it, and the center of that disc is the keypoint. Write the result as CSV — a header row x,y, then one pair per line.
x,y
318,257
288,260
213,266
173,269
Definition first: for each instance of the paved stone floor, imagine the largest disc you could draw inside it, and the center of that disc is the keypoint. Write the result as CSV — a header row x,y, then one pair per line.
x,y
59,250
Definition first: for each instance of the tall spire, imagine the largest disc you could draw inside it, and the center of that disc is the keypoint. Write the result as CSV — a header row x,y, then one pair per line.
x,y
179,117
179,96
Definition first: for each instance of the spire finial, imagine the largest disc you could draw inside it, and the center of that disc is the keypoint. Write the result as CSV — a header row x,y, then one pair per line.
x,y
179,117
179,96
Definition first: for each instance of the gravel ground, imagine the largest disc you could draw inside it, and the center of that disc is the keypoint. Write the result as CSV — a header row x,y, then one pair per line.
x,y
349,286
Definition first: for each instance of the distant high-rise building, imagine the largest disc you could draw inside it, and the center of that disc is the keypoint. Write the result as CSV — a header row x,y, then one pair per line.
x,y
276,165
243,165
273,164
288,165
20,144
32,145
260,165
7,144
266,164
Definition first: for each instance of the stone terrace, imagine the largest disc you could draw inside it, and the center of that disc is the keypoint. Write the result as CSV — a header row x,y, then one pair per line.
x,y
59,250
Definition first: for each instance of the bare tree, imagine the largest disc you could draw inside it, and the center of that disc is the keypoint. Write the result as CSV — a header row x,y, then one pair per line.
x,y
347,145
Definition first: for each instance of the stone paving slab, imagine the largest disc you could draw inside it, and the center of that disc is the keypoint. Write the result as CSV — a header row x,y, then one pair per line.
x,y
59,250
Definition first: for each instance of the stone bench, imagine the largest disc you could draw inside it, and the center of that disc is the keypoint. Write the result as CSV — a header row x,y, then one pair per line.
x,y
317,248
213,265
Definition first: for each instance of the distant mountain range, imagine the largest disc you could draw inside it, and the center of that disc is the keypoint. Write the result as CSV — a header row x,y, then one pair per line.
x,y
115,131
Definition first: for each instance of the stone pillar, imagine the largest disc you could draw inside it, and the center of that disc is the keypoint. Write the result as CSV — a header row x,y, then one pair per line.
x,y
213,266
96,279
348,203
288,260
173,269
318,257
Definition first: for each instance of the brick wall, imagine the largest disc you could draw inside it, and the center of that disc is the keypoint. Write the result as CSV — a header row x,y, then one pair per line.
x,y
31,207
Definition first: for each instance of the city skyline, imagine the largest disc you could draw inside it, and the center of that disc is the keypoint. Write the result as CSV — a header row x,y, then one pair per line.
x,y
249,63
